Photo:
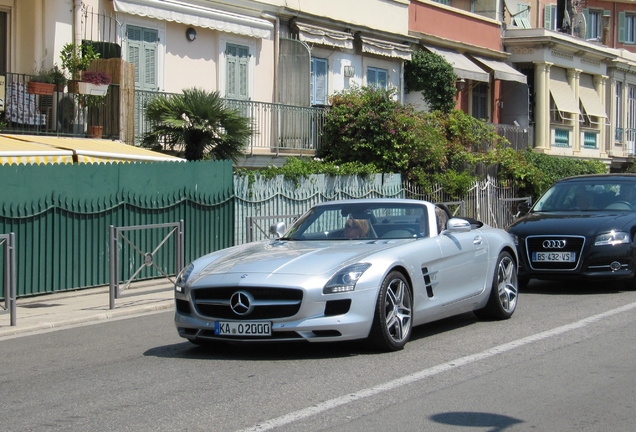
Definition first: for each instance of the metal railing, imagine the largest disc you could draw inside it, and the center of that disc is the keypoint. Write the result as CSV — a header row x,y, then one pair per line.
x,y
149,258
519,137
7,241
279,128
56,111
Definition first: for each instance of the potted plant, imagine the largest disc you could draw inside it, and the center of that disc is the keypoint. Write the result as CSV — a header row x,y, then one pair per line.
x,y
75,60
94,83
92,89
42,83
59,79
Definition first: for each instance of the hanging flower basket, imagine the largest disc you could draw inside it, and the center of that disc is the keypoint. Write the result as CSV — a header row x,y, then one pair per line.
x,y
92,89
40,88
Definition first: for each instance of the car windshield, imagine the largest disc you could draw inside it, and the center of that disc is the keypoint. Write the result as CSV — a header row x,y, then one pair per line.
x,y
589,195
361,221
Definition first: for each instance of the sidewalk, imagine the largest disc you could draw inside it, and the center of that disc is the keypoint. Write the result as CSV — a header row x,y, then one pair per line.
x,y
91,304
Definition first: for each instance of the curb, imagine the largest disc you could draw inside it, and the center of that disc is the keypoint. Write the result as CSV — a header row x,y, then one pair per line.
x,y
100,316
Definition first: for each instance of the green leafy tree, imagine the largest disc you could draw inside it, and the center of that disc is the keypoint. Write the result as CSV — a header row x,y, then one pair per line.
x,y
201,122
432,75
369,126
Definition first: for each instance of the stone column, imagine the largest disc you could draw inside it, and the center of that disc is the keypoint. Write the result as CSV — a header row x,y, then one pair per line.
x,y
603,142
573,81
542,141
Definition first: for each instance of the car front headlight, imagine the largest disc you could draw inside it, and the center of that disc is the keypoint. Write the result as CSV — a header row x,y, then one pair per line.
x,y
612,238
346,279
182,279
515,238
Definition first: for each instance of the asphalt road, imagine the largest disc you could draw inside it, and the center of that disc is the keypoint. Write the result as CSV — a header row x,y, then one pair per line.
x,y
564,362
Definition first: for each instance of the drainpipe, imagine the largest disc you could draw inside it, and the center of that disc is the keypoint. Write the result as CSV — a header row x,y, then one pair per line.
x,y
276,48
77,23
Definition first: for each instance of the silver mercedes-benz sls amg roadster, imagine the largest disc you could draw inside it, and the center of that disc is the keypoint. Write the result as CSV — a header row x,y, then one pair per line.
x,y
353,269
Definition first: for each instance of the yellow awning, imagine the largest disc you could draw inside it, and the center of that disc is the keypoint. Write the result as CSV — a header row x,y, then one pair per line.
x,y
15,152
589,97
562,92
86,150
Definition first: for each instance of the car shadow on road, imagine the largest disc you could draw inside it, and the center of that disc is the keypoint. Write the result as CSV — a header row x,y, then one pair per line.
x,y
572,287
300,350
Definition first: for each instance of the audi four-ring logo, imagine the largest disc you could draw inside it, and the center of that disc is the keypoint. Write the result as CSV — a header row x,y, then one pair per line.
x,y
554,244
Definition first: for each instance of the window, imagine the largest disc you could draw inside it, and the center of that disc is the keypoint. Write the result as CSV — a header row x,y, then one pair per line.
x,y
594,21
630,138
626,28
619,112
319,69
141,51
589,140
377,78
237,71
550,17
561,138
444,2
480,101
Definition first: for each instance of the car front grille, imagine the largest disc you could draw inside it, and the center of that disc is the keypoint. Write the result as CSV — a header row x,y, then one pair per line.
x,y
266,303
554,244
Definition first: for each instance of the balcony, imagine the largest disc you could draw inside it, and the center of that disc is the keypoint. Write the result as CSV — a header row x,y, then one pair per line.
x,y
281,130
58,112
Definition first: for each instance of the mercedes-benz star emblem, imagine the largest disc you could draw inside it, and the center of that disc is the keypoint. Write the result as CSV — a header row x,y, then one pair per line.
x,y
242,302
554,244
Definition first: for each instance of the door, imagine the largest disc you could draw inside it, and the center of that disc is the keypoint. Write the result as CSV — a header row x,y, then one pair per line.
x,y
464,265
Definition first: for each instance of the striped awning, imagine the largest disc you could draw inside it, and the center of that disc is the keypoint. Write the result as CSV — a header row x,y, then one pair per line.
x,y
462,66
80,150
198,15
14,152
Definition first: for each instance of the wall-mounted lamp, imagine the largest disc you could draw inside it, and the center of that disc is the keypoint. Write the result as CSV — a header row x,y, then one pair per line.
x,y
460,84
349,71
191,34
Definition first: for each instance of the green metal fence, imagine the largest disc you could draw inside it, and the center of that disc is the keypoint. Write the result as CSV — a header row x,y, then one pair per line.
x,y
61,215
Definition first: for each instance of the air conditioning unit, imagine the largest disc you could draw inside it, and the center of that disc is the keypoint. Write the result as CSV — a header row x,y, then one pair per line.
x,y
67,116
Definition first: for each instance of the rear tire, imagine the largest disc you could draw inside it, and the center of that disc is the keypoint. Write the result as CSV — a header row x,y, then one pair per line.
x,y
393,319
504,292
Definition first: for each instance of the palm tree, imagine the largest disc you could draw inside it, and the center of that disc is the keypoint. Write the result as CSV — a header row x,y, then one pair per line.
x,y
199,120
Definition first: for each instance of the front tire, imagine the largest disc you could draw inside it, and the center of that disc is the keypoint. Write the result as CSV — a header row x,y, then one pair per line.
x,y
393,318
504,292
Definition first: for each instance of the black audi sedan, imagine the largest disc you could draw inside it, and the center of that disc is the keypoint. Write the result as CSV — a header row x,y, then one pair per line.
x,y
583,227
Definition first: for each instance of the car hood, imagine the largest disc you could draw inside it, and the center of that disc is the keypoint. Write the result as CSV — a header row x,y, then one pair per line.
x,y
585,224
290,257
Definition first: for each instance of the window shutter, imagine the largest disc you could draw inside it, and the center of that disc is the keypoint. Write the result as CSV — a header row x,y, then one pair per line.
x,y
546,16
142,48
150,68
133,49
237,71
621,27
588,24
231,72
243,68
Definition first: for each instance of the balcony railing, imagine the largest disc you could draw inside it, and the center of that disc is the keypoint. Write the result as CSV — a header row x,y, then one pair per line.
x,y
29,111
279,128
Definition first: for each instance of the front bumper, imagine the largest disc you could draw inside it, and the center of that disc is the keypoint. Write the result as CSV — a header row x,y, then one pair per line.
x,y
320,318
595,263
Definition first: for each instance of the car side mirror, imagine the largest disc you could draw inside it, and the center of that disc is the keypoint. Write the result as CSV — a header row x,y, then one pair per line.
x,y
523,208
458,225
278,229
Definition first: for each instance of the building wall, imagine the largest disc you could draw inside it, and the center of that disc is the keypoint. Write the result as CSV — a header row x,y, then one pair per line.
x,y
384,15
444,22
